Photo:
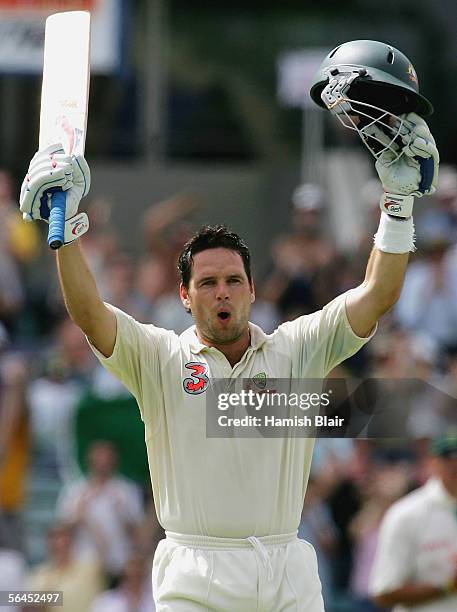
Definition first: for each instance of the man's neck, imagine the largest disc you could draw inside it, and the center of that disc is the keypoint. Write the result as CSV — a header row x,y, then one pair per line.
x,y
100,480
449,490
233,351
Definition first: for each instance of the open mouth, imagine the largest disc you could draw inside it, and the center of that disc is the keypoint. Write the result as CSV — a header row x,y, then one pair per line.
x,y
223,315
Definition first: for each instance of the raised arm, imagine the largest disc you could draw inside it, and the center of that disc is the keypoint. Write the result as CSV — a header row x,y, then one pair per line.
x,y
82,299
52,168
378,292
413,173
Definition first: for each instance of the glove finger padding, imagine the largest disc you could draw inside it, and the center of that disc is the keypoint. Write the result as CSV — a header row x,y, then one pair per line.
x,y
49,170
421,146
415,172
81,174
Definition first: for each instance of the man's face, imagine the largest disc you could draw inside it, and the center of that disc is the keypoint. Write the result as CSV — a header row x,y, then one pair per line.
x,y
102,459
219,295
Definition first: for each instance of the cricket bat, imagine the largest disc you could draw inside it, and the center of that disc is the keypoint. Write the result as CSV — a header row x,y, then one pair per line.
x,y
64,98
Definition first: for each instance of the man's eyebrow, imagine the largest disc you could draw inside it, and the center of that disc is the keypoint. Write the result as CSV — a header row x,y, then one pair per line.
x,y
213,276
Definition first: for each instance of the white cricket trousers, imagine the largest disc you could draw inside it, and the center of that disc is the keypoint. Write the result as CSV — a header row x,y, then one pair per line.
x,y
267,574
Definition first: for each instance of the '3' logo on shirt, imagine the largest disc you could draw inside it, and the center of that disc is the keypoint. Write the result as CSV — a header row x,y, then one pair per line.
x,y
198,380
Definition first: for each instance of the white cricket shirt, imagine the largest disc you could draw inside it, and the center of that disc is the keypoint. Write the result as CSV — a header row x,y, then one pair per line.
x,y
224,487
418,544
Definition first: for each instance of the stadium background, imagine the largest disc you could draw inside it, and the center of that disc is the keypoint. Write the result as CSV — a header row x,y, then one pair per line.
x,y
195,121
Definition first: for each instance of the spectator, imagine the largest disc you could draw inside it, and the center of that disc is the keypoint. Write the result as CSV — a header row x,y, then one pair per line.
x,y
308,208
118,281
79,580
289,284
317,527
105,509
14,450
20,240
388,483
444,205
416,559
166,227
13,571
101,243
134,591
53,397
427,302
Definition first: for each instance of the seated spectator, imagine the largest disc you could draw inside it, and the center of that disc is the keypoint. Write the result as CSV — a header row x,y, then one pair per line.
x,y
105,510
79,580
134,591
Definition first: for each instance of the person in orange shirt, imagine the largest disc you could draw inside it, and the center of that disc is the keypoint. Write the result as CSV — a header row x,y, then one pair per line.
x,y
14,449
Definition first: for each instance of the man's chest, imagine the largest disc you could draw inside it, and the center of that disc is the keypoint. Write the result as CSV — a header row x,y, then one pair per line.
x,y
194,385
436,552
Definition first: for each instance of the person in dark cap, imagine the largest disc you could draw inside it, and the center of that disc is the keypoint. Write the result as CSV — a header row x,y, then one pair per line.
x,y
416,560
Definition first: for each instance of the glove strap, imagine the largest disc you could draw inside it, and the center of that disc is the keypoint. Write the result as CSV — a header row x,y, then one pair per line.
x,y
76,227
397,205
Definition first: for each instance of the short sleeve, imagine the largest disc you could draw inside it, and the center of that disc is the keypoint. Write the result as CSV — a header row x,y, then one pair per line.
x,y
324,339
394,557
135,360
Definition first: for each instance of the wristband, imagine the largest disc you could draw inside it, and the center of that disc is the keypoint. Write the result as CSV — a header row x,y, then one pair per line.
x,y
76,227
395,235
397,205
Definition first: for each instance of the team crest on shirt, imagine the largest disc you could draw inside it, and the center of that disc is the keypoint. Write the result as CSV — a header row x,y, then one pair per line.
x,y
260,380
198,380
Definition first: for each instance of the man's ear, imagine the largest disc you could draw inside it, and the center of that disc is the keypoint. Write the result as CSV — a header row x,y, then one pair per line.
x,y
184,295
252,292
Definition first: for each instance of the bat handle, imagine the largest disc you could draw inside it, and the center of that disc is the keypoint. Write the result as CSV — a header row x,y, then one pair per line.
x,y
56,229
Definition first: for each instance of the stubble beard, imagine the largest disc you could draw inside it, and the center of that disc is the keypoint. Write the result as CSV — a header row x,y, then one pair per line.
x,y
234,331
224,336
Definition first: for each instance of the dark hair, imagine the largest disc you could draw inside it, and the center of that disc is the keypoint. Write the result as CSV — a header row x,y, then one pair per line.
x,y
212,237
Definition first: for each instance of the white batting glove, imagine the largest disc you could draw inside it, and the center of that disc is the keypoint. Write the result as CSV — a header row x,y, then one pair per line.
x,y
415,173
49,169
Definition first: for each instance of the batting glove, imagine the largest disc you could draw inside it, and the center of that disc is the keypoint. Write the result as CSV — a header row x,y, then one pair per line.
x,y
414,173
49,170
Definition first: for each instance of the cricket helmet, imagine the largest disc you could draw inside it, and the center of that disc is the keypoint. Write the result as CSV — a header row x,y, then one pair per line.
x,y
371,87
386,78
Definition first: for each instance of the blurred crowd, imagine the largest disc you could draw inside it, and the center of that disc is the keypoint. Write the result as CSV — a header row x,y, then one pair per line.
x,y
97,538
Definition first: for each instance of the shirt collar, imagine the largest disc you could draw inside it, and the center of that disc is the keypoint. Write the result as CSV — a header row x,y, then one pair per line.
x,y
438,492
258,338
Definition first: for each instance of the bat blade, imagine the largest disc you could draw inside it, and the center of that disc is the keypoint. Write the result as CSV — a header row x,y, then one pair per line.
x,y
64,97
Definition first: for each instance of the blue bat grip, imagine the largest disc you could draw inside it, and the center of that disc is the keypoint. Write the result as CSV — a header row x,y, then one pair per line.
x,y
57,219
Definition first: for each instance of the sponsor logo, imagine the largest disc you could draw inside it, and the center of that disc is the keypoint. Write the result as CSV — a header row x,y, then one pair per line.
x,y
392,207
198,380
412,74
78,228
